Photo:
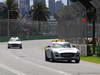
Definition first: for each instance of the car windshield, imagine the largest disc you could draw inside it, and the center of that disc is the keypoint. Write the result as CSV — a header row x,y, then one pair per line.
x,y
67,45
14,39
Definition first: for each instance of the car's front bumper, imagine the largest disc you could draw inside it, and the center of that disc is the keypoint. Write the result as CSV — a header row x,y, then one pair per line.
x,y
14,45
74,56
66,58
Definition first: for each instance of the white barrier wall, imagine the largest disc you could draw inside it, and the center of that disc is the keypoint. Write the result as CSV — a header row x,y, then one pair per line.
x,y
82,48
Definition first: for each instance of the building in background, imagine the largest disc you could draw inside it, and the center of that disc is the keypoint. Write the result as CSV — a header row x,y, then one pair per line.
x,y
52,25
69,2
24,6
34,1
59,5
52,7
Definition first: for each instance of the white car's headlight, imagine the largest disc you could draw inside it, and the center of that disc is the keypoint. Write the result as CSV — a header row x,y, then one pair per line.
x,y
56,54
78,53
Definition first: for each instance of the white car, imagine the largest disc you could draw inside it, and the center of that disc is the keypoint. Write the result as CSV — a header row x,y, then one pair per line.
x,y
15,42
62,51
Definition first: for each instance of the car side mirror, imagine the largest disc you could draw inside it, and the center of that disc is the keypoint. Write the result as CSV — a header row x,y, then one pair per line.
x,y
48,46
74,46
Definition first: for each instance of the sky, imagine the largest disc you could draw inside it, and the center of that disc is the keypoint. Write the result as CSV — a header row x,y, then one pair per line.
x,y
64,1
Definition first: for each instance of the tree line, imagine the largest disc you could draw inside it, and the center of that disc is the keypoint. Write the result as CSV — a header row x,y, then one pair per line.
x,y
38,11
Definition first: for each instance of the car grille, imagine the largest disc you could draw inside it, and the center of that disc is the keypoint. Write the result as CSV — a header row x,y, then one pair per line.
x,y
67,54
15,45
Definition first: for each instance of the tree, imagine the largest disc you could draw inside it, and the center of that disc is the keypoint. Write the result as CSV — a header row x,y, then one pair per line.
x,y
73,0
3,11
39,12
12,9
12,13
77,0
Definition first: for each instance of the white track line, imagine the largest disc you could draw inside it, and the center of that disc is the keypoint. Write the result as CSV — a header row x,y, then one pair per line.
x,y
11,70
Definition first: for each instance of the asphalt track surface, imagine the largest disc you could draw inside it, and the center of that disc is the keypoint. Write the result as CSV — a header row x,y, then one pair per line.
x,y
31,61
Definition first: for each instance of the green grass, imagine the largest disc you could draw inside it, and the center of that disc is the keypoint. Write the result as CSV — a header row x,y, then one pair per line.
x,y
92,59
5,38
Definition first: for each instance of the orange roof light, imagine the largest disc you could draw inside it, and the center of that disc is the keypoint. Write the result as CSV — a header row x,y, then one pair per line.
x,y
58,40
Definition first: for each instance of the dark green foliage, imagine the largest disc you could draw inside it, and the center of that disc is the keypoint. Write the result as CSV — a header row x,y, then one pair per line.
x,y
11,5
98,50
89,50
12,9
3,11
91,15
90,10
74,0
13,14
39,12
78,0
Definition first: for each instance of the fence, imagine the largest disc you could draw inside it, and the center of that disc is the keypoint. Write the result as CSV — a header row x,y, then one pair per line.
x,y
25,27
70,26
9,27
3,27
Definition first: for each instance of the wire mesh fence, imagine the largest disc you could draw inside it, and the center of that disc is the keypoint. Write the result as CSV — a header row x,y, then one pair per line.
x,y
25,27
3,27
77,32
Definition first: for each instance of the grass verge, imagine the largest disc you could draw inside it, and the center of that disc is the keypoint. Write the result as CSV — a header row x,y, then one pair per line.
x,y
92,59
5,38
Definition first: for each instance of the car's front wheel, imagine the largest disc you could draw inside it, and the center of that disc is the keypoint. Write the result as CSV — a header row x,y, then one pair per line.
x,y
8,47
69,61
52,57
77,61
46,58
21,47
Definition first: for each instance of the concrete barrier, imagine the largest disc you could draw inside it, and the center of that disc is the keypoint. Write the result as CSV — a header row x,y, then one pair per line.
x,y
82,48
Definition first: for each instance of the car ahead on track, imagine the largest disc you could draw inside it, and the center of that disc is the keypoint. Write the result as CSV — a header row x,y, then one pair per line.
x,y
15,42
62,51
